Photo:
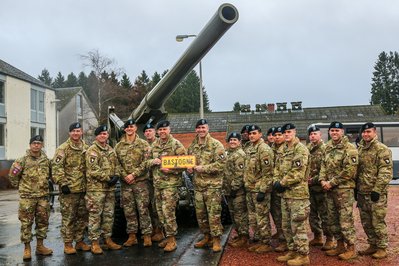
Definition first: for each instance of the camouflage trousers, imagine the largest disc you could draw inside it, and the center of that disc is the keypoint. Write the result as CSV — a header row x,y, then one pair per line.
x,y
166,203
208,208
275,210
239,213
153,208
74,216
318,217
372,215
260,210
340,214
100,206
295,214
135,200
33,210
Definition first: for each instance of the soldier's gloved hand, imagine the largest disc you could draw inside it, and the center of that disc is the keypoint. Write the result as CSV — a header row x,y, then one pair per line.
x,y
260,196
233,193
278,187
112,181
65,190
375,196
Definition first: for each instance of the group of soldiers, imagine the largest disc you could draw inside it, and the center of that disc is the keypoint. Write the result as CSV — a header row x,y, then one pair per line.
x,y
279,176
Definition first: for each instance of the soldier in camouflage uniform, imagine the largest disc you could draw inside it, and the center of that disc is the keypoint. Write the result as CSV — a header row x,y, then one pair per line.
x,y
275,207
233,189
30,174
295,205
258,180
69,173
244,138
132,153
270,137
208,178
166,182
318,217
374,175
101,163
157,233
337,177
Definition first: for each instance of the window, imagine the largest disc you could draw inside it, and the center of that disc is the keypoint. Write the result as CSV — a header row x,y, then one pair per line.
x,y
2,99
79,105
37,106
2,141
37,131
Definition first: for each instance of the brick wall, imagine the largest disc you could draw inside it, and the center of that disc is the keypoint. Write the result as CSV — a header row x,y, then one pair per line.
x,y
187,138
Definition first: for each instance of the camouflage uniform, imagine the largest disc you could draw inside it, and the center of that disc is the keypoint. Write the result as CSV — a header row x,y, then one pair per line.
x,y
275,206
31,175
208,184
234,180
318,217
258,177
69,168
374,174
295,199
135,197
166,185
100,197
153,208
339,168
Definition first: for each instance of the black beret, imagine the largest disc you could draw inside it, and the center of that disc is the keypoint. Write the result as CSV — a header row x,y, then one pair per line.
x,y
163,123
367,126
288,126
278,130
201,122
235,135
147,126
253,128
129,122
313,129
336,124
245,129
74,126
270,130
36,138
100,129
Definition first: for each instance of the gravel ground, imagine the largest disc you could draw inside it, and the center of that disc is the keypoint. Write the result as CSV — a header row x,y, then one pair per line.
x,y
240,256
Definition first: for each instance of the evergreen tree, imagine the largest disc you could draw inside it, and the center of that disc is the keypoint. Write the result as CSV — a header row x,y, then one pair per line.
x,y
125,82
154,80
114,79
236,107
59,81
82,80
45,77
71,81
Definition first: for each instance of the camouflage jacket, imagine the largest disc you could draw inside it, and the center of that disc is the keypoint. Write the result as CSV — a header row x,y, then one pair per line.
x,y
211,156
278,151
101,165
258,176
132,158
315,159
375,167
340,164
31,175
69,166
245,145
294,165
234,171
172,147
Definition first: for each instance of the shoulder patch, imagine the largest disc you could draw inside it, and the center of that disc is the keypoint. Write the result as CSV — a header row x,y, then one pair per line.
x,y
298,163
16,169
387,160
266,161
241,166
353,159
92,159
222,156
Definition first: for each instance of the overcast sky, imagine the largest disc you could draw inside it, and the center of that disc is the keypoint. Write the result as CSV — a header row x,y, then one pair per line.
x,y
316,51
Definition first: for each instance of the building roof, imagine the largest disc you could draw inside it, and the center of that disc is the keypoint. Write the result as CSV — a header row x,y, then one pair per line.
x,y
9,70
65,95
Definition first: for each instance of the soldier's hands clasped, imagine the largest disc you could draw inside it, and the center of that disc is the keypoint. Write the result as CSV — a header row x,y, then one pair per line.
x,y
260,196
278,187
65,190
374,196
112,181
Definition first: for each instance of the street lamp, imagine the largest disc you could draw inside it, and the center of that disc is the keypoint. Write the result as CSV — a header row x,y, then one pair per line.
x,y
180,38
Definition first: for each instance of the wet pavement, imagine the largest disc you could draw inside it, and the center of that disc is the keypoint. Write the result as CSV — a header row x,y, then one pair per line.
x,y
11,249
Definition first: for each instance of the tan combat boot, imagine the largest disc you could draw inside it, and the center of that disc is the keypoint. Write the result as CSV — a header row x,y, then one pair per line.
x,y
147,240
41,249
330,243
289,256
282,247
111,244
240,242
69,249
158,235
95,247
299,260
171,244
216,247
254,246
132,240
264,248
317,241
80,245
380,253
27,252
369,251
163,243
338,250
203,242
350,253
